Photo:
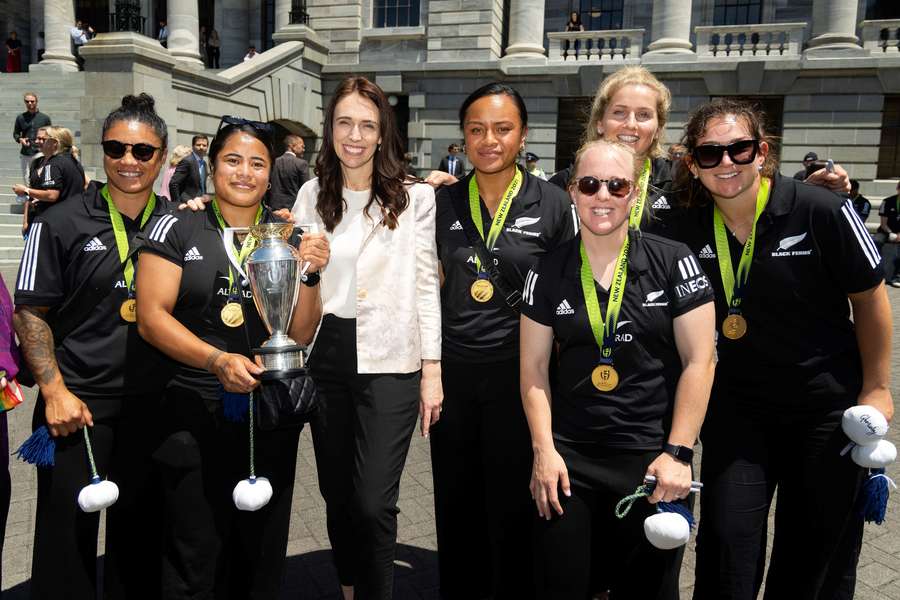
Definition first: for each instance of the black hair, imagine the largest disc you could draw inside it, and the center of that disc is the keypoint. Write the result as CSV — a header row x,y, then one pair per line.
x,y
228,130
494,89
198,137
854,184
141,109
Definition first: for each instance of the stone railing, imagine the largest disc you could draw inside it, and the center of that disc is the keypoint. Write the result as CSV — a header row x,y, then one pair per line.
x,y
777,40
881,37
596,46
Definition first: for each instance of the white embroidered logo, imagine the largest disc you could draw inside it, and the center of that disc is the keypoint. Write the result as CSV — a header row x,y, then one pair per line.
x,y
193,254
565,308
661,203
790,241
707,252
457,226
652,298
95,245
525,222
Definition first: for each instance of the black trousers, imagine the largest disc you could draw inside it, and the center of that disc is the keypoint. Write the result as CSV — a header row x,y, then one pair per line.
x,y
212,549
748,452
588,544
890,254
481,463
5,481
361,437
64,562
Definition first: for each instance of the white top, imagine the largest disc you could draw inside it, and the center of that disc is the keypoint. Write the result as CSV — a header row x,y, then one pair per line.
x,y
385,278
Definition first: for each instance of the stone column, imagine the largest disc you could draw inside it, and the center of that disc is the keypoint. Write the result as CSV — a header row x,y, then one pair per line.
x,y
59,18
834,28
282,14
526,31
184,33
671,28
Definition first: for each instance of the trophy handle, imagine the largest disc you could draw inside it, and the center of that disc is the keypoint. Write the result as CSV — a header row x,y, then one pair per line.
x,y
308,228
228,241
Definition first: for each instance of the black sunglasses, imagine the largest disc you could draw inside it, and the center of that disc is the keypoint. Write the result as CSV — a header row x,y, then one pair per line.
x,y
258,125
590,185
740,153
115,149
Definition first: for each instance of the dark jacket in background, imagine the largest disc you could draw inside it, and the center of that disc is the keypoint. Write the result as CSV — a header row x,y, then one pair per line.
x,y
186,182
288,176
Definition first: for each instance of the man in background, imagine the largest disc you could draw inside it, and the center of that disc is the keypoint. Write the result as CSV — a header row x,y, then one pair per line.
x,y
861,204
452,163
189,179
289,174
809,159
25,131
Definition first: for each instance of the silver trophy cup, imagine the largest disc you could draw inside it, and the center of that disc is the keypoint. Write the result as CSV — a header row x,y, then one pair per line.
x,y
273,270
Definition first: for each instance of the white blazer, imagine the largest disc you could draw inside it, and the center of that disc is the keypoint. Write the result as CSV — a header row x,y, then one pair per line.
x,y
398,302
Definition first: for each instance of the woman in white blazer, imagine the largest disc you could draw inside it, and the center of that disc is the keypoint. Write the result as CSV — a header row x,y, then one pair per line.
x,y
376,356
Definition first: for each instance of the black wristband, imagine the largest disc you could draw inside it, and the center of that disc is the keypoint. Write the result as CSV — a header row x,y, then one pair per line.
x,y
682,453
312,279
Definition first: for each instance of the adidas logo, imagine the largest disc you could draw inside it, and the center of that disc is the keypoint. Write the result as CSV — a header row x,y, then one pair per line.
x,y
707,252
661,203
95,245
456,226
193,254
565,308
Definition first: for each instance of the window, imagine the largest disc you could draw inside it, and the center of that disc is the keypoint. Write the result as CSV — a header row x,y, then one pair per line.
x,y
737,12
396,13
882,9
889,148
601,15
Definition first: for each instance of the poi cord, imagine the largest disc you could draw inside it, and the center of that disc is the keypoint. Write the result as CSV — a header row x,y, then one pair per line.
x,y
252,461
90,453
643,491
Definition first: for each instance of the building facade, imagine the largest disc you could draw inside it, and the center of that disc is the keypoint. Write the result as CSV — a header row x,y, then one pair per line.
x,y
826,71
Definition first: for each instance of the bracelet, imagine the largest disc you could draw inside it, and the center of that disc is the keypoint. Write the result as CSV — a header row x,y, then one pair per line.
x,y
312,279
212,358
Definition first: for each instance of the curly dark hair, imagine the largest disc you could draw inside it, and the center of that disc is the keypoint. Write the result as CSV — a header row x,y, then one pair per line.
x,y
693,192
388,173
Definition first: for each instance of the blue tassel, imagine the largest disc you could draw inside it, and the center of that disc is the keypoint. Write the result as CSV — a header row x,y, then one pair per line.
x,y
39,449
674,507
873,497
235,406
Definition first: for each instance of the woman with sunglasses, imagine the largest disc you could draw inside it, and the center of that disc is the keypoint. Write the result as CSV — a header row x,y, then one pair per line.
x,y
55,175
784,258
480,453
376,359
195,307
632,315
75,320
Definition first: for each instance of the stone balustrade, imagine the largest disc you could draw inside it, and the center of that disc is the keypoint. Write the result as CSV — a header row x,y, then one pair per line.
x,y
881,37
776,40
596,46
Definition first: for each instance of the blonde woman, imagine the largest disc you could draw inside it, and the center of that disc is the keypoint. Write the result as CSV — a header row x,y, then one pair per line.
x,y
178,153
54,176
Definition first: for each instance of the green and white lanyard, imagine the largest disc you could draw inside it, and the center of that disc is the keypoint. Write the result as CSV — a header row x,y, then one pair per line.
x,y
605,329
248,245
121,235
499,217
643,184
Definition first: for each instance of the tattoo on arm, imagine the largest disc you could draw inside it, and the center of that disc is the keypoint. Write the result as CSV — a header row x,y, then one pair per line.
x,y
36,338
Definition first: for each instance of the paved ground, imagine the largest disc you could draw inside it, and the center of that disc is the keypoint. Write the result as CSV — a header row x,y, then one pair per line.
x,y
309,574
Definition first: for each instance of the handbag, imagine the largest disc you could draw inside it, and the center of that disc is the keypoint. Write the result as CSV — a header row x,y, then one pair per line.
x,y
286,403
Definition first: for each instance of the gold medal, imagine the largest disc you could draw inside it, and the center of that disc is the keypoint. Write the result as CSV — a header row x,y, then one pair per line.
x,y
482,290
604,378
734,326
232,314
128,310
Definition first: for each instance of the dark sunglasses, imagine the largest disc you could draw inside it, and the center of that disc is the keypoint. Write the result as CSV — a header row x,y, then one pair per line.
x,y
258,125
589,185
740,153
115,149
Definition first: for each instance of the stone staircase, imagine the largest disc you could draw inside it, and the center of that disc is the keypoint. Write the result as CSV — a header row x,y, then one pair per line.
x,y
59,96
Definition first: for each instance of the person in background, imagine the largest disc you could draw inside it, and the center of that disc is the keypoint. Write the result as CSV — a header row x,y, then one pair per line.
x,y
163,35
289,174
531,165
81,33
212,48
40,46
452,163
573,24
888,237
861,204
809,159
251,53
13,53
179,153
204,36
190,176
24,132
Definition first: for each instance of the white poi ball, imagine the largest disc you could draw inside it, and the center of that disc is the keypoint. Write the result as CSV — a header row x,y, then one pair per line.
x,y
252,493
97,495
874,456
667,530
864,424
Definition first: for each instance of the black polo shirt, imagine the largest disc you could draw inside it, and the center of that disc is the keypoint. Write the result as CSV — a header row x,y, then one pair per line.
x,y
193,241
71,251
811,252
891,210
61,172
664,281
540,218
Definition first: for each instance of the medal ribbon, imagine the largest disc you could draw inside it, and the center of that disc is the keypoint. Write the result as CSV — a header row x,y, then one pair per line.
x,y
734,286
604,329
248,245
499,216
118,226
637,211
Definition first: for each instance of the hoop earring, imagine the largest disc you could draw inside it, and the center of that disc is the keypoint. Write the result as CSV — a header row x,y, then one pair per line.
x,y
268,186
